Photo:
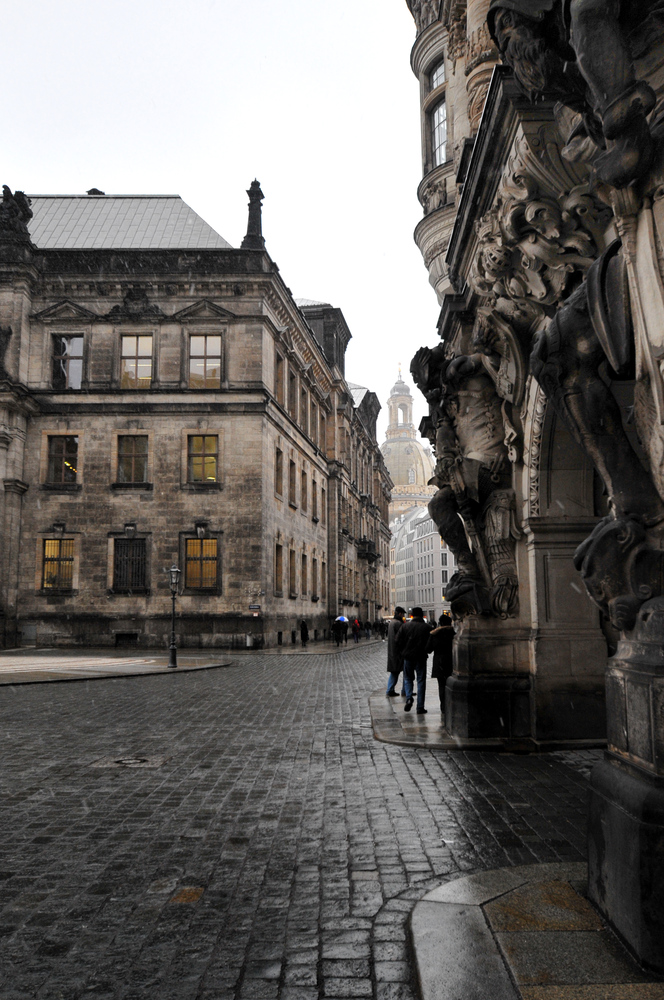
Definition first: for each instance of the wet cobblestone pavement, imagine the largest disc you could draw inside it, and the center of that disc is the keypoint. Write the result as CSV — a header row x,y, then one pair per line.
x,y
253,842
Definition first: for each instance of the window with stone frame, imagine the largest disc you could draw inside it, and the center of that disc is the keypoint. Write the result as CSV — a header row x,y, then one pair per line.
x,y
203,458
130,564
278,569
323,505
437,75
323,580
314,577
279,472
67,362
303,576
313,422
205,361
132,458
292,393
314,500
62,469
58,564
136,362
304,410
201,564
279,371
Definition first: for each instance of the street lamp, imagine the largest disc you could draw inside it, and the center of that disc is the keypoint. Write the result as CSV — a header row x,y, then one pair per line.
x,y
174,574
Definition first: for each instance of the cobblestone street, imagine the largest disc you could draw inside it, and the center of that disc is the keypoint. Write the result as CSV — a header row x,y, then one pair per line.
x,y
256,842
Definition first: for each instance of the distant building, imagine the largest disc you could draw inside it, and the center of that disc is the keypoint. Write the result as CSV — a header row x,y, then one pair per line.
x,y
420,563
164,399
408,461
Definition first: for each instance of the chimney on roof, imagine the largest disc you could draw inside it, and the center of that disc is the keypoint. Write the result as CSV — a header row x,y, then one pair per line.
x,y
95,192
254,238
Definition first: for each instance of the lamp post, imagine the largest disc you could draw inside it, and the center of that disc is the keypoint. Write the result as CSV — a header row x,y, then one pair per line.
x,y
174,574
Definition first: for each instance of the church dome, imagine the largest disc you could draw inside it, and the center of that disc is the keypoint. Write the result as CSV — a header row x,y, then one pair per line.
x,y
408,461
400,389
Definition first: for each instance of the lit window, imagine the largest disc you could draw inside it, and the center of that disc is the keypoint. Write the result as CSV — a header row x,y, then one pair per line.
x,y
67,362
62,459
58,571
205,362
136,368
440,134
201,564
129,564
133,458
202,458
438,75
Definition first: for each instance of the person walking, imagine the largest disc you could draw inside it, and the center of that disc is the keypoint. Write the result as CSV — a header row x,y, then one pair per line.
x,y
304,633
441,640
355,629
394,661
412,643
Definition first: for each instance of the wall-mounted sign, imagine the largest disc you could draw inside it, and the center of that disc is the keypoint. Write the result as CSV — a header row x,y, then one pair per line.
x,y
254,607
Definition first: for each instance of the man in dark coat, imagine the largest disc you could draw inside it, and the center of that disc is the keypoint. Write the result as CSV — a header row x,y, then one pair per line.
x,y
394,660
440,644
412,642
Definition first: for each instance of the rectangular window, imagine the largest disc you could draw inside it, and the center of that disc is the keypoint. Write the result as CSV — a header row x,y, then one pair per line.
x,y
58,571
323,581
201,558
314,577
279,472
444,576
304,490
129,564
202,458
304,410
67,362
136,362
133,458
279,378
303,577
440,134
205,361
292,394
323,506
323,433
314,500
292,582
313,422
278,569
62,459
443,558
291,484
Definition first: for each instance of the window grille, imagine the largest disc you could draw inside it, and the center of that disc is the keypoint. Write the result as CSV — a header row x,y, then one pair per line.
x,y
201,563
58,568
130,564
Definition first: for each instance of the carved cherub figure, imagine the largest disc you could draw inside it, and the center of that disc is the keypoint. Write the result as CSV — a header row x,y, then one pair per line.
x,y
578,51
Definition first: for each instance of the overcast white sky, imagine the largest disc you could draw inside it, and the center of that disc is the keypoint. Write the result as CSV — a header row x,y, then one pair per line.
x,y
315,98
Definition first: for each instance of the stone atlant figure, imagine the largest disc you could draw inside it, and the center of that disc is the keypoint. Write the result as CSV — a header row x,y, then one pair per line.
x,y
581,52
474,505
611,328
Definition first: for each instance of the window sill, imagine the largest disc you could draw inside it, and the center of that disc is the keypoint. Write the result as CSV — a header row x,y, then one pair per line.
x,y
132,486
315,597
53,592
61,487
200,592
200,487
292,505
129,592
278,593
293,596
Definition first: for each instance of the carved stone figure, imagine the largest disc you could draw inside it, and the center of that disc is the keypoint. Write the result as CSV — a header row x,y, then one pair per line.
x,y
425,12
15,213
135,306
474,507
579,52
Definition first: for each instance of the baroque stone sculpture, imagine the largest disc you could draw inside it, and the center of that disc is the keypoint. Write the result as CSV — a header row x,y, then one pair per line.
x,y
474,507
15,213
581,52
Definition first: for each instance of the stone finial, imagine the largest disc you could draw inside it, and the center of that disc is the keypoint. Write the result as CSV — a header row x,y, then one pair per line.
x,y
254,238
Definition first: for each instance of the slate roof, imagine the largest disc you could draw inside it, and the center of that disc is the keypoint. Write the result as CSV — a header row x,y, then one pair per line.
x,y
358,392
119,222
304,303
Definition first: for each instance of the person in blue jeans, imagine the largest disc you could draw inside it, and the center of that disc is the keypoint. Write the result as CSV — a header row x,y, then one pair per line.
x,y
412,642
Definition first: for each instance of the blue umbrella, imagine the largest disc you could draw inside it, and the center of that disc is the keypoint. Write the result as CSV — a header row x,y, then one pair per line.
x,y
341,618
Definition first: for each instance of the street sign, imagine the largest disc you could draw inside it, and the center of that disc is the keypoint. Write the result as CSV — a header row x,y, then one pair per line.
x,y
254,607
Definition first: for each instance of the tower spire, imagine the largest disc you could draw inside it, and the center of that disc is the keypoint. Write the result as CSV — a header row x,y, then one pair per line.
x,y
254,238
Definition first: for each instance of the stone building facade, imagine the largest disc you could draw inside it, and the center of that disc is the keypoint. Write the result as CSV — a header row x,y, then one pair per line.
x,y
408,461
163,399
421,564
542,233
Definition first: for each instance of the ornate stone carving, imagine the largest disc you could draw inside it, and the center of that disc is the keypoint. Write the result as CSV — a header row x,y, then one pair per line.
x,y
425,12
580,54
434,195
135,306
15,213
474,507
457,32
533,452
481,49
540,234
